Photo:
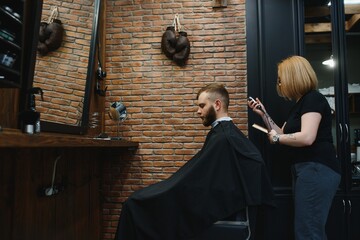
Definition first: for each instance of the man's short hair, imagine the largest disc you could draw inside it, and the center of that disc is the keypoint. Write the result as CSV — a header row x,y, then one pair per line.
x,y
216,90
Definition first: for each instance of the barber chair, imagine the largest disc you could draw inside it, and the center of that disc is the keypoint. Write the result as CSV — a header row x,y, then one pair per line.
x,y
235,227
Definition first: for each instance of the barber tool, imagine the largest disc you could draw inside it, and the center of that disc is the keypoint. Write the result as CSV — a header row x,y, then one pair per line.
x,y
258,127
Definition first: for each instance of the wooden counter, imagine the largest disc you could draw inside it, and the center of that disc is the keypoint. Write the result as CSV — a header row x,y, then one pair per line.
x,y
15,138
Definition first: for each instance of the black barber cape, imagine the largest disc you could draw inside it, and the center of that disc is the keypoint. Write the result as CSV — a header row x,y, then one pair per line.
x,y
227,175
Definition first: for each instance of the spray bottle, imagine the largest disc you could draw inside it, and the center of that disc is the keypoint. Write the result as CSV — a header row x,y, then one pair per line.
x,y
30,118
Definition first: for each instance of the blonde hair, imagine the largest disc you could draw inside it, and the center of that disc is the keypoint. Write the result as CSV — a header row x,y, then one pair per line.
x,y
296,77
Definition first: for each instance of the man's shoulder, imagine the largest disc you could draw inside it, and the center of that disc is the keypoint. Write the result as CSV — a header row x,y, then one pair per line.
x,y
228,132
230,129
237,139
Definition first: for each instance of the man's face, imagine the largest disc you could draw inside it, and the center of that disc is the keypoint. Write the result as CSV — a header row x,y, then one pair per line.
x,y
206,109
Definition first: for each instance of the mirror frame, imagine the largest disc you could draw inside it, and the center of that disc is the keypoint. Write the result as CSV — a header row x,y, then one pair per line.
x,y
47,126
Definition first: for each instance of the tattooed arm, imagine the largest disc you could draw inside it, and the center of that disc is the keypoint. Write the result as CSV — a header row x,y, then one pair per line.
x,y
307,135
259,108
270,124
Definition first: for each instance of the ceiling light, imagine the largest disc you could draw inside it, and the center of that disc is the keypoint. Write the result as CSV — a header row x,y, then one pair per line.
x,y
329,62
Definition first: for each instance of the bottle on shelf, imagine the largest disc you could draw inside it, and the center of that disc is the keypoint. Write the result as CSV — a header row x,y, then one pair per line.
x,y
30,118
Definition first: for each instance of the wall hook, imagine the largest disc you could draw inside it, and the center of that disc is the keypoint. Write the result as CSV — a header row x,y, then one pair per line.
x,y
52,190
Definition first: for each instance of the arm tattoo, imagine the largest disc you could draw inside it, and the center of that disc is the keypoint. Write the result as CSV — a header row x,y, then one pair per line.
x,y
291,136
268,121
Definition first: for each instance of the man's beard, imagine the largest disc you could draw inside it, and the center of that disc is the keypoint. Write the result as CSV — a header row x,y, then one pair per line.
x,y
210,117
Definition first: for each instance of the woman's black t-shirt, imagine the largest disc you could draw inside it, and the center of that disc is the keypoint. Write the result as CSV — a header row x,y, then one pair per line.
x,y
322,150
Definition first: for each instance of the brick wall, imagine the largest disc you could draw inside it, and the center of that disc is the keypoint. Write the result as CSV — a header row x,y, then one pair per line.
x,y
159,95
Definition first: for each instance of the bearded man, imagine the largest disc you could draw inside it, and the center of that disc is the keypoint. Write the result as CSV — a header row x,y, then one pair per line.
x,y
227,175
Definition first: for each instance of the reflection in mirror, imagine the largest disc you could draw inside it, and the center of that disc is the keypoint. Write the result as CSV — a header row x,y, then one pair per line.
x,y
318,39
319,47
63,72
352,26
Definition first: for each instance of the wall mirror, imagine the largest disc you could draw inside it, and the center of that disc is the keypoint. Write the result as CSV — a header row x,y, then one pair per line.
x,y
319,49
65,74
318,37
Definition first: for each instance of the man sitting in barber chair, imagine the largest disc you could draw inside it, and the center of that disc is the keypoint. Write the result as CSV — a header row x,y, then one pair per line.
x,y
225,177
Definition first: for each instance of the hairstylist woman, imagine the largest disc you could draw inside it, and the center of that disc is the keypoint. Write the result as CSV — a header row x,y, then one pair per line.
x,y
306,136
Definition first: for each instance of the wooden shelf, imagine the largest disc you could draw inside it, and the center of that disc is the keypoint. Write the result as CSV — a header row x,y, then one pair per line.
x,y
14,138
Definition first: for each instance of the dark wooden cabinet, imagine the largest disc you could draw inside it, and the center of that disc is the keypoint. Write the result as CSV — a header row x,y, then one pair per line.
x,y
20,20
11,29
275,30
344,217
19,27
353,213
336,226
31,164
27,213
